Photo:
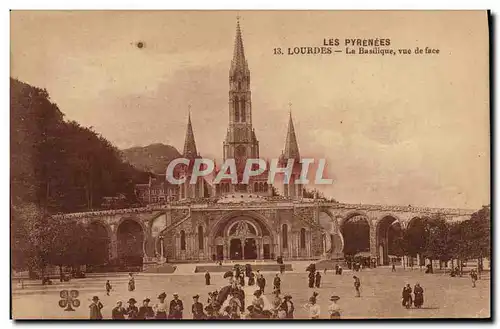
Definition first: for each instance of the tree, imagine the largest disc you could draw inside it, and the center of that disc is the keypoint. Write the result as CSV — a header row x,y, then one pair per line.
x,y
437,239
314,193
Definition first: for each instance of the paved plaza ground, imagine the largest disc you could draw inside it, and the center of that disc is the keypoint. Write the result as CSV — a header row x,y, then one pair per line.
x,y
445,297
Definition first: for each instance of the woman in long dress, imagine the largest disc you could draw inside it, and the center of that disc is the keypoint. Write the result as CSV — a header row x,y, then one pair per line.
x,y
419,296
131,282
161,307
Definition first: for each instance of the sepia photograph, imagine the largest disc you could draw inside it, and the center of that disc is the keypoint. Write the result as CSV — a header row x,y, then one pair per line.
x,y
250,165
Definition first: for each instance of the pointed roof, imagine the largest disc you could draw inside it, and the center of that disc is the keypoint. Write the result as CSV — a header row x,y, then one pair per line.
x,y
189,143
239,62
291,146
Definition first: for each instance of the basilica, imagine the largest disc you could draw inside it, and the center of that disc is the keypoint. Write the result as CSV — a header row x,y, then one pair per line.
x,y
205,222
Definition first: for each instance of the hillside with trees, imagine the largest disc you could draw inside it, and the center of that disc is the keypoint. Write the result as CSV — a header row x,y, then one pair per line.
x,y
58,166
152,158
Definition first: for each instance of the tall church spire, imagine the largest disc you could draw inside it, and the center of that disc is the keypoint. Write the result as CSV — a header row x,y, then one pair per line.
x,y
239,62
189,143
291,147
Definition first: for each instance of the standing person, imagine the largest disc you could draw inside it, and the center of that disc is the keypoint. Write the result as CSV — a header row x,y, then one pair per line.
x,y
224,292
334,308
337,269
311,279
251,279
118,313
393,267
357,285
197,308
131,282
407,296
145,311
287,306
277,283
276,304
132,310
207,278
234,305
340,270
419,296
108,287
161,307
95,309
473,276
261,282
176,308
313,308
242,280
318,279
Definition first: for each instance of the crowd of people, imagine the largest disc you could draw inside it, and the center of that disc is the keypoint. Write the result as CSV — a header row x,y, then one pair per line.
x,y
242,298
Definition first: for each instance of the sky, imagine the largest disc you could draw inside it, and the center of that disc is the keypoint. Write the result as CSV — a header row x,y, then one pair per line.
x,y
394,129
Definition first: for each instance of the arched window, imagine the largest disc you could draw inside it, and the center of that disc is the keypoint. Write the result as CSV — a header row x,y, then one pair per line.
x,y
265,187
236,105
200,237
284,233
303,238
242,107
256,187
183,240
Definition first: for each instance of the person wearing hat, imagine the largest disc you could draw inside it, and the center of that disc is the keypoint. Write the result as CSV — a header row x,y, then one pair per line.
x,y
197,309
313,308
145,311
334,308
161,307
287,307
224,292
176,308
132,310
95,309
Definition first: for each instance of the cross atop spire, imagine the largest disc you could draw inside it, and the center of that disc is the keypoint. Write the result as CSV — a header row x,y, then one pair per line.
x,y
239,62
291,146
189,143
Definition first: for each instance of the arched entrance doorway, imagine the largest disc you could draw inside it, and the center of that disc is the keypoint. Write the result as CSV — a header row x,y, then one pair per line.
x,y
98,252
130,240
356,232
389,235
242,240
242,236
415,237
334,243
